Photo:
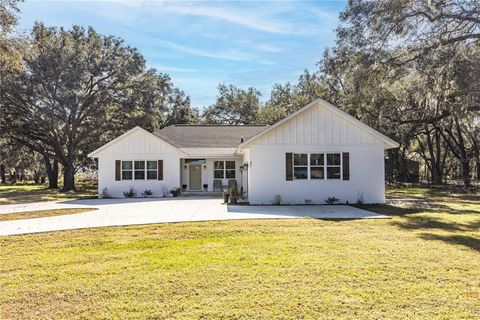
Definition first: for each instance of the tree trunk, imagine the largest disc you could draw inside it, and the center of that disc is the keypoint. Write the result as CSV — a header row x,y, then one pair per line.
x,y
466,172
36,177
478,168
434,151
2,174
52,173
68,177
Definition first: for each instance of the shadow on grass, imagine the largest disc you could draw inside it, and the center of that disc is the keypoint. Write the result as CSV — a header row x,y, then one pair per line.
x,y
467,241
415,223
429,219
392,210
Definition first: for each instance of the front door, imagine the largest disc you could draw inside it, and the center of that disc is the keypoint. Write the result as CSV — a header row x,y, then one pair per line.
x,y
195,176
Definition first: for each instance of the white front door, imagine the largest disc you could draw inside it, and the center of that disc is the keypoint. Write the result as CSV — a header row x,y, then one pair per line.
x,y
195,177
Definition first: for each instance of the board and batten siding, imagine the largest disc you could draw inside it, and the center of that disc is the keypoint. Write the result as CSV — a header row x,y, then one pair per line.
x,y
317,125
139,145
317,130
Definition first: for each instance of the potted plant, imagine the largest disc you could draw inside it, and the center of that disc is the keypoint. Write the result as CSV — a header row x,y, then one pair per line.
x,y
226,195
205,187
175,192
233,195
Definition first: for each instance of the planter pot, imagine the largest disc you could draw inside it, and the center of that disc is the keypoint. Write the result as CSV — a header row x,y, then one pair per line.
x,y
233,200
225,197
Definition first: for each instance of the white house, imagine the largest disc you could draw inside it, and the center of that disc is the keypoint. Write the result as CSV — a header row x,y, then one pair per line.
x,y
315,153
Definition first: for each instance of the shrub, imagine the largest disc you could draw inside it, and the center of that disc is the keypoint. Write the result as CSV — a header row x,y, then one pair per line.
x,y
105,194
331,200
130,193
277,200
360,198
146,193
165,192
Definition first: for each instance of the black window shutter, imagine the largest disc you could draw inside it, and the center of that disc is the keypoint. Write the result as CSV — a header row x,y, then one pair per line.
x,y
346,166
160,170
118,173
289,166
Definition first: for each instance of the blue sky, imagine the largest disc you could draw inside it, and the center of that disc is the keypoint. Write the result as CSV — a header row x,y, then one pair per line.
x,y
201,44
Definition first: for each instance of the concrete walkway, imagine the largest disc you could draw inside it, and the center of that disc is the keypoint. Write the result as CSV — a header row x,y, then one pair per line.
x,y
120,212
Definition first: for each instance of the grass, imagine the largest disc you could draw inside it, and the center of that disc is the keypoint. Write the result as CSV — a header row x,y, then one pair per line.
x,y
25,193
423,263
42,213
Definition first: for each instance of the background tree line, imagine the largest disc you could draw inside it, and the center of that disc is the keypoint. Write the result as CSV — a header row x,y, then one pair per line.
x,y
409,69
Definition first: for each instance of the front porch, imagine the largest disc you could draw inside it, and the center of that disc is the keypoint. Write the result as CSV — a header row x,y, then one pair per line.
x,y
211,176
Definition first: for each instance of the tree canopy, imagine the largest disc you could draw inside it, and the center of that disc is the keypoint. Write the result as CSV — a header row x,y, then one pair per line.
x,y
79,89
233,106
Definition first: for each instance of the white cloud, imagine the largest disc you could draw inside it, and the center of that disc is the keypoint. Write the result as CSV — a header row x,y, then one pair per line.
x,y
253,19
231,54
163,68
269,48
240,18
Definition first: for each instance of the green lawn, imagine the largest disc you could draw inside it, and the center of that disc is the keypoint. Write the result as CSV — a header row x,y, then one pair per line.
x,y
12,194
423,263
42,213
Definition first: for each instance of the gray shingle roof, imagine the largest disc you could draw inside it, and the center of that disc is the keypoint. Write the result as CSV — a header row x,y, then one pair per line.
x,y
208,136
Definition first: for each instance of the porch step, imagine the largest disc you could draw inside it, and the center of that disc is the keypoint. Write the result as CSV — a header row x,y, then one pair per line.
x,y
201,194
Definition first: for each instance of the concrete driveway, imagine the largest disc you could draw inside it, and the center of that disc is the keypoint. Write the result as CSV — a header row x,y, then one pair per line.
x,y
121,212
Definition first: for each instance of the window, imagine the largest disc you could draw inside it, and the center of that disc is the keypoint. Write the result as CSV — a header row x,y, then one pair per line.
x,y
127,172
219,169
152,170
139,170
333,166
230,169
224,169
317,166
300,166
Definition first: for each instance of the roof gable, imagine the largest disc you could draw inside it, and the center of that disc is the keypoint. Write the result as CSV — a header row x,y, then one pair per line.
x,y
320,122
136,140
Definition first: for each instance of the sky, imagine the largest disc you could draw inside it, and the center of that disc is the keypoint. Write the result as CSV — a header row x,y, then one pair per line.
x,y
202,44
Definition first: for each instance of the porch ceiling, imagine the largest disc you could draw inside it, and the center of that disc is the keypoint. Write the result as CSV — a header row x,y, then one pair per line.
x,y
210,152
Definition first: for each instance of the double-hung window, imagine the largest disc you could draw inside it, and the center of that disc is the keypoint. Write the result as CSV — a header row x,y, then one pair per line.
x,y
127,170
224,169
333,166
139,170
230,169
300,166
152,173
317,166
219,169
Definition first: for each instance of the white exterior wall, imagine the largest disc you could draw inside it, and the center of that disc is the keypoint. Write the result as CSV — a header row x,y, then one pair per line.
x,y
268,176
207,173
316,130
138,146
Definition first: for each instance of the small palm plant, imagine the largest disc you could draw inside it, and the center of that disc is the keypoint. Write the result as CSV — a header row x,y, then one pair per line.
x,y
233,194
